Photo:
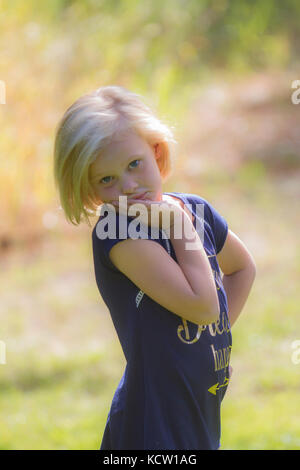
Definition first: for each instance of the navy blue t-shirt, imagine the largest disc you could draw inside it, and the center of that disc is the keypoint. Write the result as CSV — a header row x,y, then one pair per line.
x,y
177,372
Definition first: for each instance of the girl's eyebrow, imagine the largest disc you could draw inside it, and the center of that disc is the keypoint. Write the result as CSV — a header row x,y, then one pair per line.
x,y
108,172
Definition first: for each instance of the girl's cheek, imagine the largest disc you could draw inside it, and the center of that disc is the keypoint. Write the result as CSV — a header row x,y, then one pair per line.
x,y
111,194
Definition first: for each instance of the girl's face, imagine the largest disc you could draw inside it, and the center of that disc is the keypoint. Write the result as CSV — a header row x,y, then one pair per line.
x,y
127,167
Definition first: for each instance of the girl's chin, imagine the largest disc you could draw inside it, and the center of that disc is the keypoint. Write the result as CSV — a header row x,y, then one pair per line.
x,y
150,197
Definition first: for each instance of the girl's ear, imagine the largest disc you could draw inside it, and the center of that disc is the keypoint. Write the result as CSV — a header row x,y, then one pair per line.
x,y
158,150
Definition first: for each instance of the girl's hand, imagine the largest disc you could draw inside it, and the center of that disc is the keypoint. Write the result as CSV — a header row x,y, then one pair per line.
x,y
158,214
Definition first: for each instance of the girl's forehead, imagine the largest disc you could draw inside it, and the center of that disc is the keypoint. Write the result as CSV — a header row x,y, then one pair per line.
x,y
118,151
124,145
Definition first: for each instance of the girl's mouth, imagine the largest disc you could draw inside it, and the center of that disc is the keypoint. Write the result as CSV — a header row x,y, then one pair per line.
x,y
140,196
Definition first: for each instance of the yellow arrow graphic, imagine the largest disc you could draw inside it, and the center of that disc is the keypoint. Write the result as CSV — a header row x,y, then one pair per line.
x,y
213,389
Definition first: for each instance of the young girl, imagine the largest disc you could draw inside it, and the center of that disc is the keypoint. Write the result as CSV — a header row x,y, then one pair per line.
x,y
170,306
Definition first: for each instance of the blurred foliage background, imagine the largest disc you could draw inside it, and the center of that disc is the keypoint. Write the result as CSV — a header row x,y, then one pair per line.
x,y
220,73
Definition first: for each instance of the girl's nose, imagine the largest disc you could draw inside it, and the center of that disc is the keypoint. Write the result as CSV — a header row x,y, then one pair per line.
x,y
129,186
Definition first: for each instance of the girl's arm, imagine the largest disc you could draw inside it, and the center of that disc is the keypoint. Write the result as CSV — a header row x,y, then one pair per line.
x,y
239,270
186,288
196,266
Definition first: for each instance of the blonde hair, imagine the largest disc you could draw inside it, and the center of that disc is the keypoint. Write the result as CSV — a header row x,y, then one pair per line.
x,y
87,126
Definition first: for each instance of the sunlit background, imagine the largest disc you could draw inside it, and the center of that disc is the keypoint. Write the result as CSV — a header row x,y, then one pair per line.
x,y
220,73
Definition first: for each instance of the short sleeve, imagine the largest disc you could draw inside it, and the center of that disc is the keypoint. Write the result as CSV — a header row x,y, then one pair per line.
x,y
218,224
113,228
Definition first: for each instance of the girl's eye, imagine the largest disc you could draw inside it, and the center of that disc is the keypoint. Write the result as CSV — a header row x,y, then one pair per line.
x,y
102,181
134,161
